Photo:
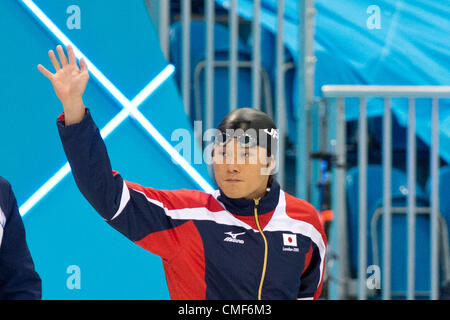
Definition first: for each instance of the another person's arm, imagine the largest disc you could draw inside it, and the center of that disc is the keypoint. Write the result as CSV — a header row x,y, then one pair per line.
x,y
18,278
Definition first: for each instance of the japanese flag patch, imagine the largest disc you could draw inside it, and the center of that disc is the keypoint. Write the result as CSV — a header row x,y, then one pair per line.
x,y
289,239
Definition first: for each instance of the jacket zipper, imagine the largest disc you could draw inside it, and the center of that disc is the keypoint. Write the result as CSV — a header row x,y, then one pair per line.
x,y
265,249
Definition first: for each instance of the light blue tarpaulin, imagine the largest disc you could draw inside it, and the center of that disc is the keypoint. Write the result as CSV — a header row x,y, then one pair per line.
x,y
410,47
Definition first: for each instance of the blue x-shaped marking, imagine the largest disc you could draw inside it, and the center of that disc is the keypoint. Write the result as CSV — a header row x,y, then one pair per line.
x,y
129,107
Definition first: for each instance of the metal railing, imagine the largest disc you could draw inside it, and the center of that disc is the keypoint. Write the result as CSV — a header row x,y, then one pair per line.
x,y
224,64
338,137
306,174
160,11
443,243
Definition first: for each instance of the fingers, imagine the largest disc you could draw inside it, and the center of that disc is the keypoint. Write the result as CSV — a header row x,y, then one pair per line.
x,y
63,59
71,54
62,56
83,65
54,61
44,71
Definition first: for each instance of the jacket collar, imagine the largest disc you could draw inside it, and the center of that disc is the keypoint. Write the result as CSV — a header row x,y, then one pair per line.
x,y
245,207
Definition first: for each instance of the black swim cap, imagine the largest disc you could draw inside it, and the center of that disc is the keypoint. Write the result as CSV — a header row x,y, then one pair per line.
x,y
251,127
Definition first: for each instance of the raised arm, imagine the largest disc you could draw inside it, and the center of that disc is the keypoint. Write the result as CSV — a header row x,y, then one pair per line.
x,y
135,211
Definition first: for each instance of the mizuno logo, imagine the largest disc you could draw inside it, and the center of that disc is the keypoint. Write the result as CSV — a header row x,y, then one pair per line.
x,y
233,237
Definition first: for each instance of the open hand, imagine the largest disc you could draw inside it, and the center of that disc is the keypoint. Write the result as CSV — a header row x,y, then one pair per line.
x,y
69,82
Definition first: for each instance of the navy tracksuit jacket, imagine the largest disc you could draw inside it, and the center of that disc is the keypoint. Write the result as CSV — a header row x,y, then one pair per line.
x,y
212,247
18,278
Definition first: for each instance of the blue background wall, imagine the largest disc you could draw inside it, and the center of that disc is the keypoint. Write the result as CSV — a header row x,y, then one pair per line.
x,y
63,229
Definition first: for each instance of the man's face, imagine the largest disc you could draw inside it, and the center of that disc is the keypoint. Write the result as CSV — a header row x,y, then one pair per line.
x,y
242,172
